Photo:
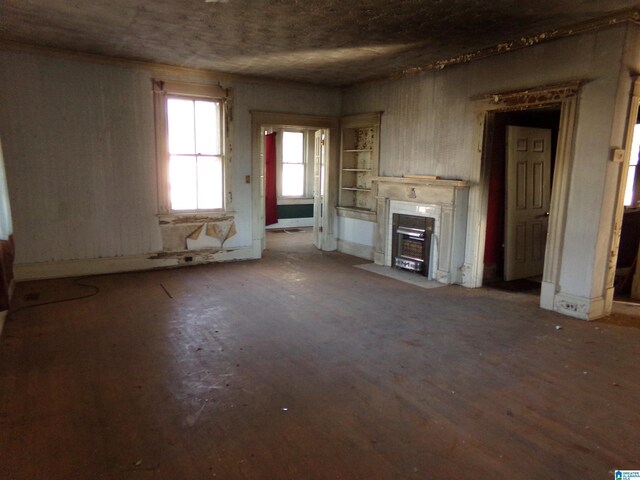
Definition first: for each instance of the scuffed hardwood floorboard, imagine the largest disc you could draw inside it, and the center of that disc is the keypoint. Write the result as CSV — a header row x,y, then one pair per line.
x,y
300,366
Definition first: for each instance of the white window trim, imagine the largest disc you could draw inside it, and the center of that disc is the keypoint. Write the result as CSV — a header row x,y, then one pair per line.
x,y
163,89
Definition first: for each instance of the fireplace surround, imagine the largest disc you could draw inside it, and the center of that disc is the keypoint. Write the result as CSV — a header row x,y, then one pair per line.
x,y
443,201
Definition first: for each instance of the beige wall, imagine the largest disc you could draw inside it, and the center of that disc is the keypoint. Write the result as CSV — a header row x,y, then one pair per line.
x,y
429,127
80,152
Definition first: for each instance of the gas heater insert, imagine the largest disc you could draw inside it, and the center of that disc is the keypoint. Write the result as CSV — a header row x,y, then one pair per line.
x,y
411,243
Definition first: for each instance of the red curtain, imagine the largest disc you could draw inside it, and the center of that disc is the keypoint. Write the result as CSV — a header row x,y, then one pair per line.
x,y
6,240
6,271
270,194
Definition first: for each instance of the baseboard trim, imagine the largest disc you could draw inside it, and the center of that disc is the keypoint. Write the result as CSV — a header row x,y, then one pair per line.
x,y
547,295
580,307
356,249
100,266
329,244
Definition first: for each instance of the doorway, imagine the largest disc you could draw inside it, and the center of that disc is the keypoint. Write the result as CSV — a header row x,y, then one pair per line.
x,y
521,155
295,159
295,180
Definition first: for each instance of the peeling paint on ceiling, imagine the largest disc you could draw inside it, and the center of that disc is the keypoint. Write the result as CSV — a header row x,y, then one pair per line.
x,y
332,42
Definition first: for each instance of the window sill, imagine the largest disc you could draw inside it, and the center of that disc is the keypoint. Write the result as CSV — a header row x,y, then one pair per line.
x,y
295,200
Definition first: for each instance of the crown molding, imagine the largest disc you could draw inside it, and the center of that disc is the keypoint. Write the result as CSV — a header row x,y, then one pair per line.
x,y
631,15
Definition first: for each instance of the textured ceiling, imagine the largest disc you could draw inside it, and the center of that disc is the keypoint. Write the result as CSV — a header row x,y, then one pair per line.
x,y
333,42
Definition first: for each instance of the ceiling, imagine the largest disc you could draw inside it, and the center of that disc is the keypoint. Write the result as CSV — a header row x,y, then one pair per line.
x,y
331,42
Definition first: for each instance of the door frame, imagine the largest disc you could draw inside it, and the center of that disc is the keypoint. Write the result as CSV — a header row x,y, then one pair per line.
x,y
331,125
510,266
486,106
634,107
319,164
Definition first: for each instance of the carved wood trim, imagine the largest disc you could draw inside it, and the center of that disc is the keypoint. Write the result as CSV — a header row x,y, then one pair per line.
x,y
530,97
565,96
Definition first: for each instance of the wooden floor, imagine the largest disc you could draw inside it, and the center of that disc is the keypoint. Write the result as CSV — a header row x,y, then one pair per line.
x,y
300,366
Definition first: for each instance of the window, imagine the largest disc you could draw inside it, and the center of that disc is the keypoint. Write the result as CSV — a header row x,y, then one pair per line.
x,y
629,196
195,154
190,121
293,164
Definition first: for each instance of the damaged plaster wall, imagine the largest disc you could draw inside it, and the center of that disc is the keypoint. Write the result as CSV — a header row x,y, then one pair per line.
x,y
196,232
429,127
80,150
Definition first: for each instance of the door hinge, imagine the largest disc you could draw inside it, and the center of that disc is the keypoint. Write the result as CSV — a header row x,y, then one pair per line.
x,y
320,229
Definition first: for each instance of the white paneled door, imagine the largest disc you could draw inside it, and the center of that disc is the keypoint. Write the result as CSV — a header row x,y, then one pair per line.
x,y
528,195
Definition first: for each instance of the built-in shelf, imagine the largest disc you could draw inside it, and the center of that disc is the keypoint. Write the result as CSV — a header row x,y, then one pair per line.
x,y
359,165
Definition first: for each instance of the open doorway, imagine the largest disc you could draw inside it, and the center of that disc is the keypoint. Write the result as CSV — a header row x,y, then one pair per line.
x,y
295,188
294,176
521,157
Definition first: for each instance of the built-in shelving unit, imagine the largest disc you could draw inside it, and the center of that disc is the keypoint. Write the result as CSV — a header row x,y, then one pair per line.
x,y
359,164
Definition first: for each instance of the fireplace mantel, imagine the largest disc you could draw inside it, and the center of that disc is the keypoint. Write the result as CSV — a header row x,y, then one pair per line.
x,y
436,182
419,190
444,200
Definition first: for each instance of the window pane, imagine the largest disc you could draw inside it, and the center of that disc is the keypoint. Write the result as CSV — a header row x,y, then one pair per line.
x,y
635,145
195,147
181,126
628,193
292,180
183,182
633,161
208,127
292,147
209,182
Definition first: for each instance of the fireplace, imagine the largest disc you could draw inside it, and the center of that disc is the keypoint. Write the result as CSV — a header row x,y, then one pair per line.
x,y
411,242
443,203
